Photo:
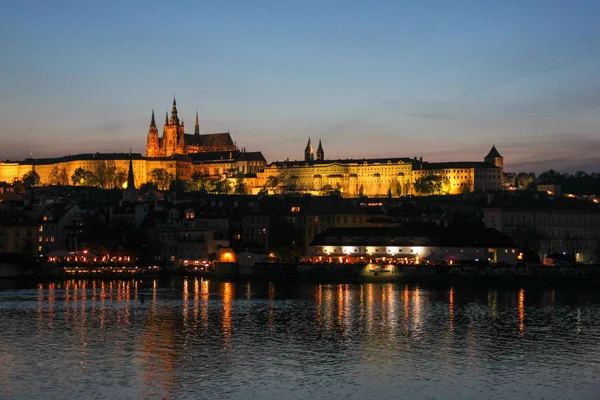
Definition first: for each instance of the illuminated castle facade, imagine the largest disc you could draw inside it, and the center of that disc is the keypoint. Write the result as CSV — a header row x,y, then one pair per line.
x,y
382,176
174,140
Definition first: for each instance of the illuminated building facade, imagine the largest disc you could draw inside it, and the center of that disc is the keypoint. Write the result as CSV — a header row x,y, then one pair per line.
x,y
175,141
382,176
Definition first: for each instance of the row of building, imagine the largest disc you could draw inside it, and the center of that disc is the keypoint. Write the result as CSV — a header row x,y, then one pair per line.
x,y
216,156
192,228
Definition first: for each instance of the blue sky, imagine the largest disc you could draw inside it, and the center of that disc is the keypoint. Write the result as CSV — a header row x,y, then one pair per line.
x,y
442,80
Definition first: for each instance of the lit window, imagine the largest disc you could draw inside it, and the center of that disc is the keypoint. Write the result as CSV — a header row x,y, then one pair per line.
x,y
41,227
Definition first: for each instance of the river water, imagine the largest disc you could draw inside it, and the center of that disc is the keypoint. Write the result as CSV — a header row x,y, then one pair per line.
x,y
194,339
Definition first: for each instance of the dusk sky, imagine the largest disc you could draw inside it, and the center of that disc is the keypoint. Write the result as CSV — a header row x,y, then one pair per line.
x,y
442,80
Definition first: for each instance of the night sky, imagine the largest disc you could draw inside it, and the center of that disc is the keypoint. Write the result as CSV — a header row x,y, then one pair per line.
x,y
442,80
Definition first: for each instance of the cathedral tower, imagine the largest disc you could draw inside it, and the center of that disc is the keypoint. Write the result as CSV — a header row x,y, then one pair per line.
x,y
320,152
152,147
309,153
173,138
197,131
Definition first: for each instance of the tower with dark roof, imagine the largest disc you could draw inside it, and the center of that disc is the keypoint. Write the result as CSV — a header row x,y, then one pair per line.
x,y
309,152
320,152
152,144
494,158
130,193
197,131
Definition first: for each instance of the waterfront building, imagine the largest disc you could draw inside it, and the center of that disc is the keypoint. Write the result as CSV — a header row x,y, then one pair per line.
x,y
18,232
60,227
548,224
415,244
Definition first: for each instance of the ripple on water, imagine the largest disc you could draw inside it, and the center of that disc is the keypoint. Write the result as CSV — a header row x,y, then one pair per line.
x,y
199,339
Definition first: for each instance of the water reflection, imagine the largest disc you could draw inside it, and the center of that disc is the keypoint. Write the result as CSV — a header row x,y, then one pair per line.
x,y
295,338
521,311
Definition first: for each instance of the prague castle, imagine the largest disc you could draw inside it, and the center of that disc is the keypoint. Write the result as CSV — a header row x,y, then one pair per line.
x,y
215,156
176,141
383,176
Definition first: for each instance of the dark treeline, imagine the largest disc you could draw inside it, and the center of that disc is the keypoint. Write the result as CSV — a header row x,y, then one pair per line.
x,y
579,183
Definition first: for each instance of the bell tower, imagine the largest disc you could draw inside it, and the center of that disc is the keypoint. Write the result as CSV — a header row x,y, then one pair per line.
x,y
309,152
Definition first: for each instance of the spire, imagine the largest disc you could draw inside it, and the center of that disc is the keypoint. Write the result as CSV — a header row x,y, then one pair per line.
x,y
130,177
167,118
309,146
174,118
152,122
197,126
320,152
309,153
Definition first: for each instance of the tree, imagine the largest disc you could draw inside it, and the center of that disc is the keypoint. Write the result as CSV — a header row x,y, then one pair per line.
x,y
429,184
524,180
105,174
272,182
120,178
31,179
199,182
63,178
161,178
178,186
53,177
240,186
221,186
78,177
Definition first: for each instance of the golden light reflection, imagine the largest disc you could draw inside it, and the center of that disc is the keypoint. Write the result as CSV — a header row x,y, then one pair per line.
x,y
102,300
186,297
406,301
370,304
340,306
40,299
204,296
271,305
196,299
51,302
451,308
417,309
227,293
319,305
521,311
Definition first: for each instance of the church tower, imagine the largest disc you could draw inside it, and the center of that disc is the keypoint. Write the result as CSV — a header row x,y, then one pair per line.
x,y
309,153
320,152
152,148
130,194
173,138
494,158
197,131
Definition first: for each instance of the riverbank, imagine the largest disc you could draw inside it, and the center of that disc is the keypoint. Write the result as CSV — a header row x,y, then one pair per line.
x,y
330,273
321,273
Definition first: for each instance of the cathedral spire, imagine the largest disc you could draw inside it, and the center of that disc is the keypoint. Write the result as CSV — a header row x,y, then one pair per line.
x,y
167,118
197,126
320,152
152,122
130,177
309,153
174,118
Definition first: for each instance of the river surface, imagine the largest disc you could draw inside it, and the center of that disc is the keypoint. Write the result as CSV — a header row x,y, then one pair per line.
x,y
199,339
